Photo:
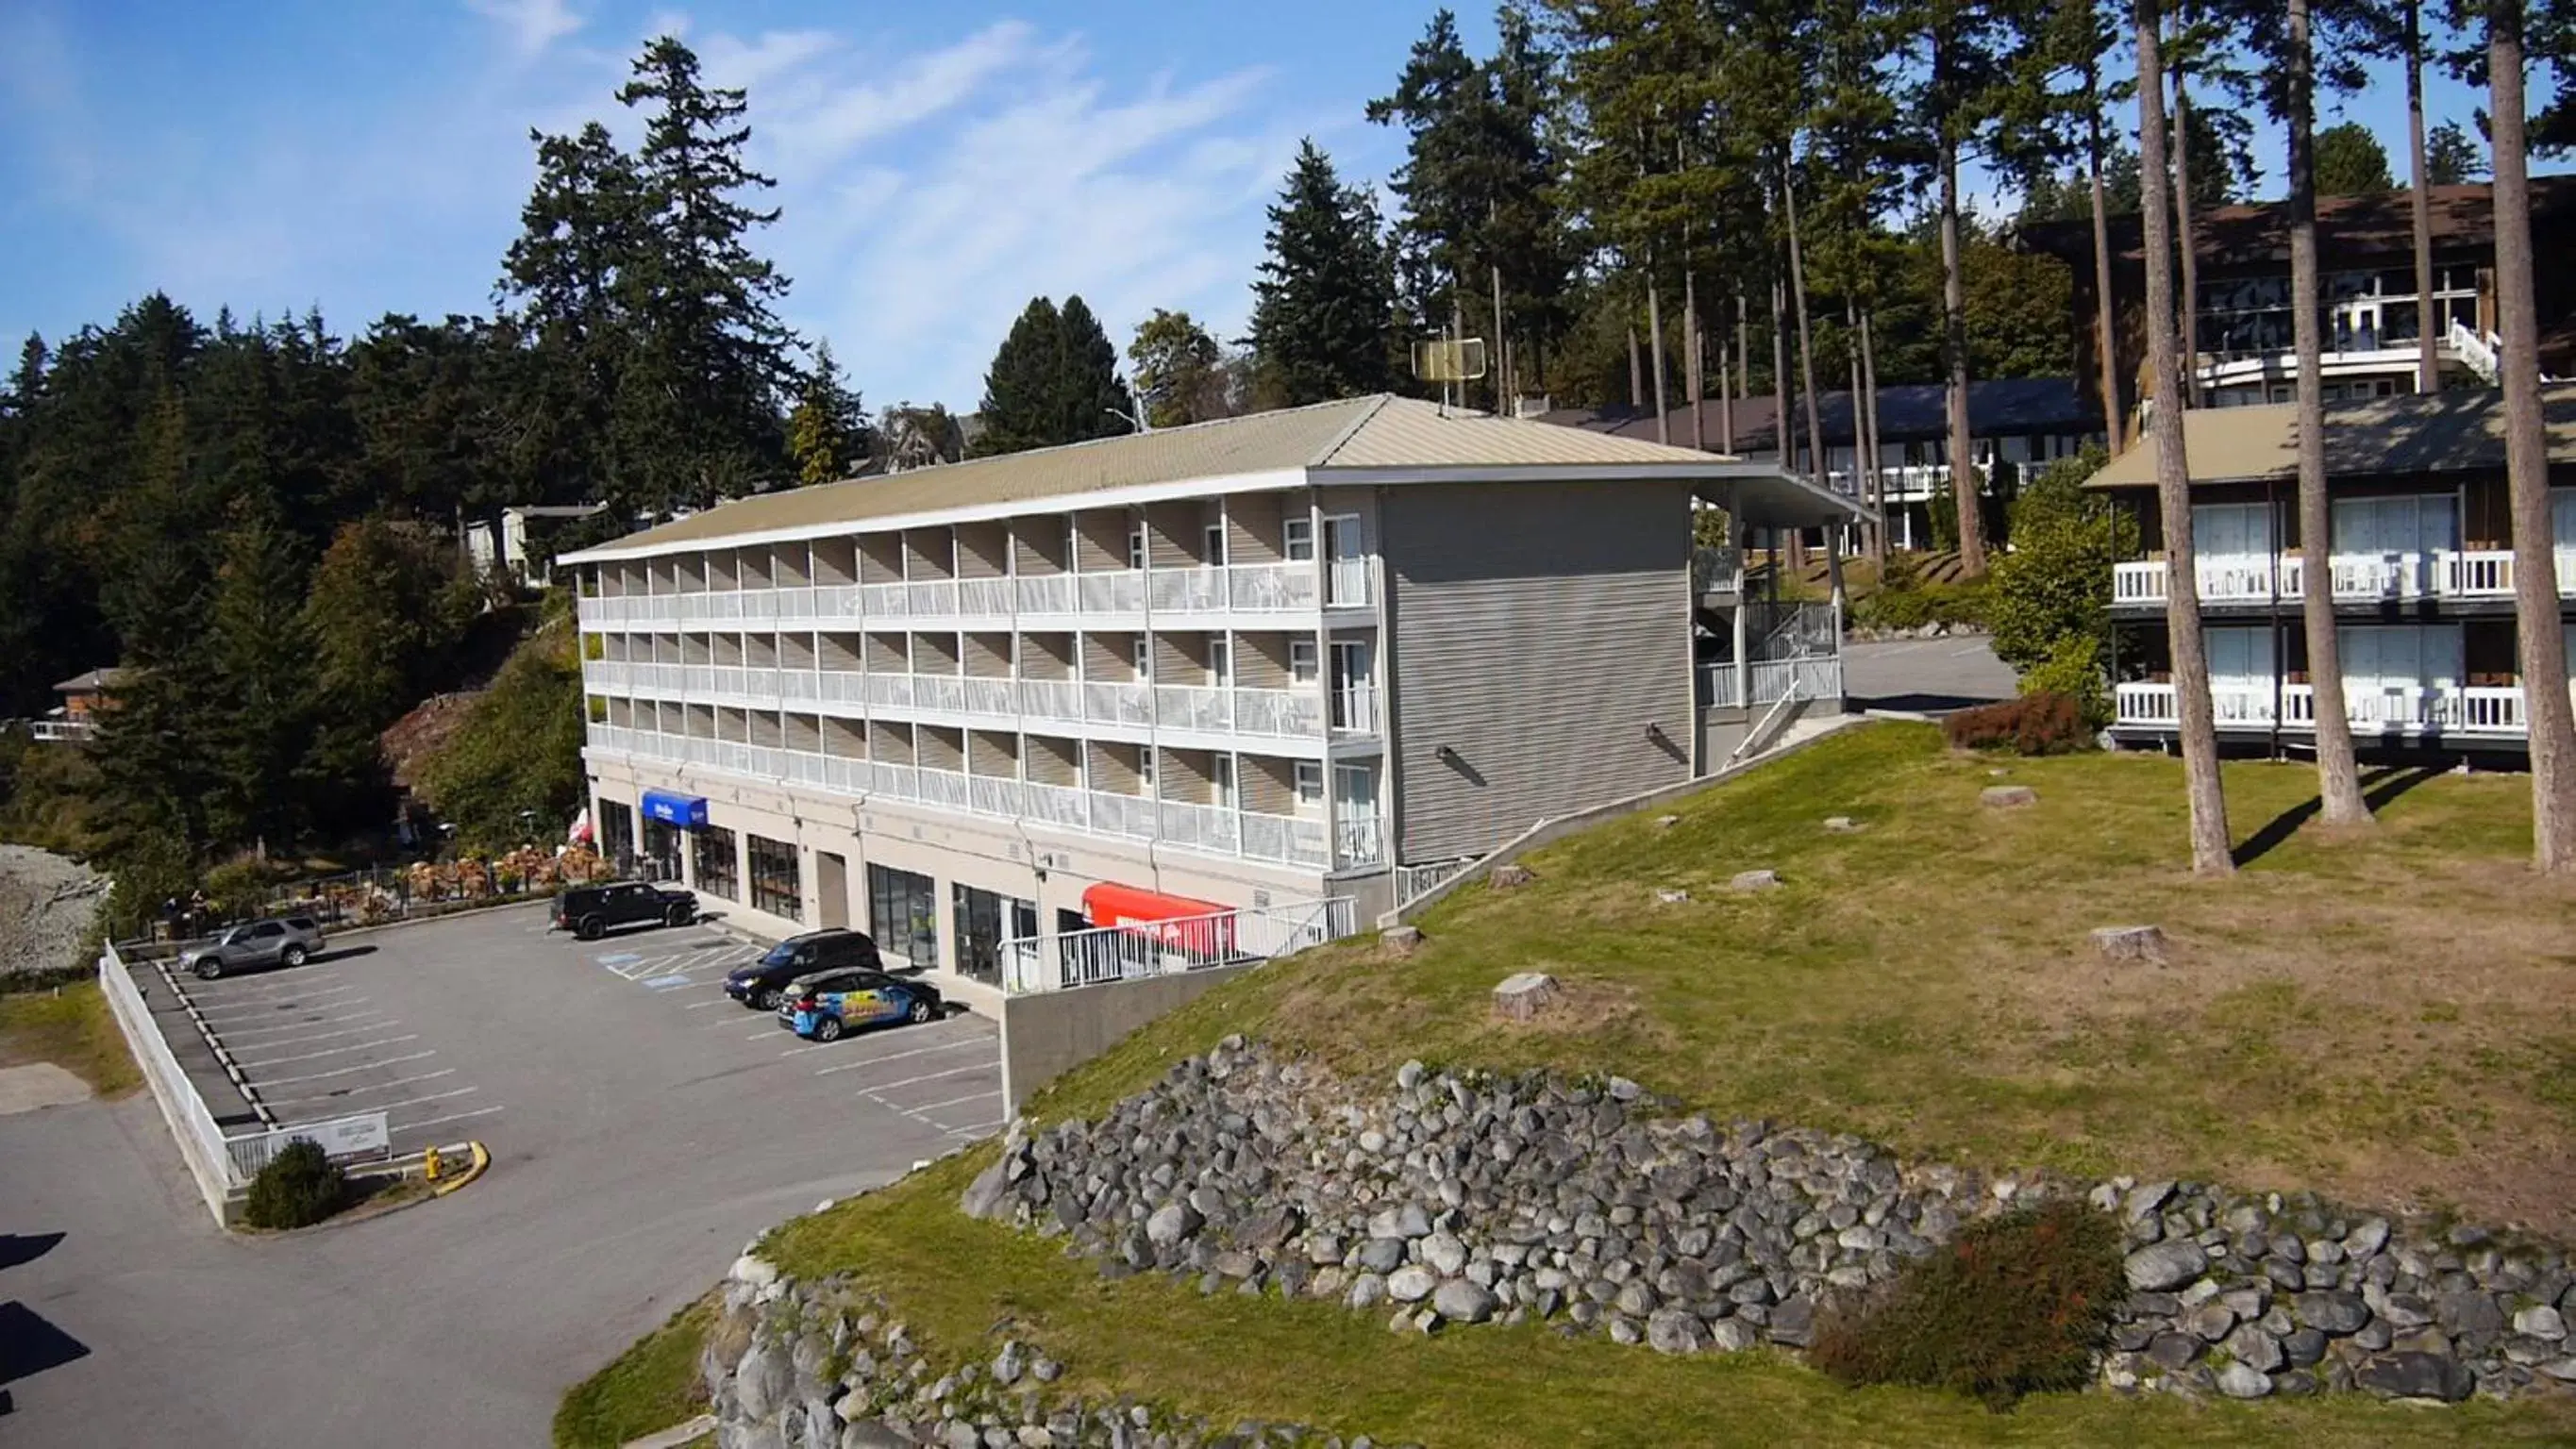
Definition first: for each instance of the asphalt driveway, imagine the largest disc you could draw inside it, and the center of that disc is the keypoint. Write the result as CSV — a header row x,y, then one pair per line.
x,y
643,1128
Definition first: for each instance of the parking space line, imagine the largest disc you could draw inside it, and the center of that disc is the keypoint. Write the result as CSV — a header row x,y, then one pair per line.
x,y
417,1101
899,1056
956,1101
450,1117
297,1025
711,1001
977,1128
345,1071
316,1036
344,1093
254,986
219,1007
924,1077
333,1052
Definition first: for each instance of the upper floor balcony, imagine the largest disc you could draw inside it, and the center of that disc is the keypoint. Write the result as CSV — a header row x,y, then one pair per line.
x,y
1313,842
1212,592
2359,578
1308,714
2371,708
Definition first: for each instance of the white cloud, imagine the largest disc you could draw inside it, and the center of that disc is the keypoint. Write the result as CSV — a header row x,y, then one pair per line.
x,y
927,193
530,25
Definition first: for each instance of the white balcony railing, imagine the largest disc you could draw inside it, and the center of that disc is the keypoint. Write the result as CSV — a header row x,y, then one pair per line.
x,y
2372,708
1188,825
1064,961
1223,589
1290,714
2358,577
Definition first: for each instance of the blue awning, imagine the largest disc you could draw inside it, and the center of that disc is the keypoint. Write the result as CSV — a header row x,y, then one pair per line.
x,y
686,811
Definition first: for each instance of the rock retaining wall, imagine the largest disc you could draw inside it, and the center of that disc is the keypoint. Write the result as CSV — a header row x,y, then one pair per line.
x,y
1460,1198
823,1365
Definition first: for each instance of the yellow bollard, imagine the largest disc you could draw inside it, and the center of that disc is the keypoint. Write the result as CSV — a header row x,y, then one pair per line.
x,y
429,1164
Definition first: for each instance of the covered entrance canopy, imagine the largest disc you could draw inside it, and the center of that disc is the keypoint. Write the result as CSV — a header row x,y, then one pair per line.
x,y
689,812
1111,904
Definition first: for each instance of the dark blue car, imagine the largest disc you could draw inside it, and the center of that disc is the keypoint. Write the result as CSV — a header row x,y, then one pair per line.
x,y
825,1006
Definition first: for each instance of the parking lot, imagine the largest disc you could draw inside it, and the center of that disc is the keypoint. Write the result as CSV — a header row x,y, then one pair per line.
x,y
427,1025
643,1127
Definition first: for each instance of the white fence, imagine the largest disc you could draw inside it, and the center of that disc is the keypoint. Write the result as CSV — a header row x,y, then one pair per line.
x,y
1412,882
221,1165
1060,961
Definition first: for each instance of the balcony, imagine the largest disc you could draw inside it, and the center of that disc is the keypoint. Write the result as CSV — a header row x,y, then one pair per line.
x,y
1908,482
2465,574
1211,829
2419,709
1270,714
1227,590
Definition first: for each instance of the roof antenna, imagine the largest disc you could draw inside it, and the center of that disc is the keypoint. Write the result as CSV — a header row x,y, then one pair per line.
x,y
1449,360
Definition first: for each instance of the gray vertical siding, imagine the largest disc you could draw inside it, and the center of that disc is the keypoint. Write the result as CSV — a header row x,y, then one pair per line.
x,y
1539,628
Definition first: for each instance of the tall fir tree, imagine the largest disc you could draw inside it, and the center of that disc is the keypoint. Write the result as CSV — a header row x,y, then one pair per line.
x,y
1088,399
1325,300
1019,408
708,366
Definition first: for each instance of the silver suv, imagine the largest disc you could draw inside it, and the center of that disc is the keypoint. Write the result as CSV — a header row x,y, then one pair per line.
x,y
277,941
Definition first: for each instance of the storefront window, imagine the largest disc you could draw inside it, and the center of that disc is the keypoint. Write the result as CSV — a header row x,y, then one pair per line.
x,y
713,857
903,915
661,851
985,920
616,831
775,887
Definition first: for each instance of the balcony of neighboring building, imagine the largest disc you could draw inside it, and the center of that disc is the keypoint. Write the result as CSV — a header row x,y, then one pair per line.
x,y
2417,683
2387,548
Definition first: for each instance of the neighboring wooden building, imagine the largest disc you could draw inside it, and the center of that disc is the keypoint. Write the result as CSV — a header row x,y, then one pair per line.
x,y
2014,422
2422,560
2372,315
84,696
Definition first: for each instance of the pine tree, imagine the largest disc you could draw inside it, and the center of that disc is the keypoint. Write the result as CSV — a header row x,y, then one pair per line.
x,y
2351,162
2338,776
1325,299
258,656
564,280
2211,849
708,365
827,435
2451,157
1088,400
1019,407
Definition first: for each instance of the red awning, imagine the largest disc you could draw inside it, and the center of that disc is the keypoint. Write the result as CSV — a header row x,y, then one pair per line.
x,y
1110,904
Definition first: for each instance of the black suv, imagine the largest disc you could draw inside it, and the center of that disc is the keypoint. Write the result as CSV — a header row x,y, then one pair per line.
x,y
759,984
588,911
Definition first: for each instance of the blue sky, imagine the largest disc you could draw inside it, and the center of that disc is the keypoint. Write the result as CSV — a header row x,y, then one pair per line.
x,y
939,164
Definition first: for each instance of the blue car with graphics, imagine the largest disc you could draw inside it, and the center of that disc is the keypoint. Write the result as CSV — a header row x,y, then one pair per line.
x,y
829,1004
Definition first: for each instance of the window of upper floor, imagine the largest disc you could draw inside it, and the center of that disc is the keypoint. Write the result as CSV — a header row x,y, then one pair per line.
x,y
1298,535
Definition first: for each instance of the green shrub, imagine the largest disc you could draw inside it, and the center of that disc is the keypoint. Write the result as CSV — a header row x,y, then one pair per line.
x,y
1903,602
2073,669
2035,724
2013,1305
298,1188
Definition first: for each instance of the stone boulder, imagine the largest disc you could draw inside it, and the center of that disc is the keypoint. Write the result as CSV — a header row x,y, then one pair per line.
x,y
1510,876
2130,943
2007,797
1749,881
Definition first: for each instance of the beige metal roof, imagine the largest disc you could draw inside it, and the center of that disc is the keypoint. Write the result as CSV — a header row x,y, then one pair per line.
x,y
2461,431
1372,433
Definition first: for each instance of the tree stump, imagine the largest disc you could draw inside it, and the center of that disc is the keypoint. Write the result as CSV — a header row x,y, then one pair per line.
x,y
1510,877
1756,880
1841,824
1403,940
2007,797
1523,995
2130,943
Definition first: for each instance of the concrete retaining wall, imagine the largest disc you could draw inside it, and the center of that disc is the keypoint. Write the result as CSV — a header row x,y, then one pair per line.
x,y
1048,1033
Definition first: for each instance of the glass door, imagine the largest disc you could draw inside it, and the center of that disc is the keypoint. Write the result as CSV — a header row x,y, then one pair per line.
x,y
1345,562
1356,838
1354,690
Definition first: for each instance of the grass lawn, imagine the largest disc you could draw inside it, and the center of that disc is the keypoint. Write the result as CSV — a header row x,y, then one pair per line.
x,y
650,1387
72,1029
2386,1016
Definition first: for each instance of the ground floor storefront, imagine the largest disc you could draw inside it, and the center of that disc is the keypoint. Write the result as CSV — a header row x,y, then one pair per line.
x,y
948,894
